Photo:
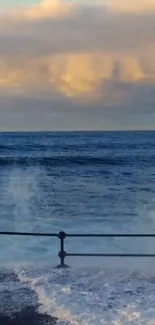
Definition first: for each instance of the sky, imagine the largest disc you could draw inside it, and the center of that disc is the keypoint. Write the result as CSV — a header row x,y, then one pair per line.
x,y
10,4
77,65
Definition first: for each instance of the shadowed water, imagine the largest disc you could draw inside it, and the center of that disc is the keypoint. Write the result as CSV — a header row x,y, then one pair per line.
x,y
19,303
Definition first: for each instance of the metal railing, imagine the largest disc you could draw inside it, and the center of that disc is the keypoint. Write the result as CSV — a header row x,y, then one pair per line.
x,y
63,254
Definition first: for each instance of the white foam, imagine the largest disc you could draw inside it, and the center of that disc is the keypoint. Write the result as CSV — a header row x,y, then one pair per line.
x,y
89,296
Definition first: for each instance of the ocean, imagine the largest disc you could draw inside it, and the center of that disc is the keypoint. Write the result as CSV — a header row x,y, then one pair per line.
x,y
77,182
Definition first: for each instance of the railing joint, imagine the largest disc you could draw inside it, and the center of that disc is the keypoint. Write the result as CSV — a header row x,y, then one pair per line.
x,y
62,254
62,235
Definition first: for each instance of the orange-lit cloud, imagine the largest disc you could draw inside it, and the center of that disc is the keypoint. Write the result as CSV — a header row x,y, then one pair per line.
x,y
77,51
46,9
137,7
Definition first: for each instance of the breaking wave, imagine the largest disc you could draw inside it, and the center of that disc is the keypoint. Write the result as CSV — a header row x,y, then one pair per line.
x,y
94,296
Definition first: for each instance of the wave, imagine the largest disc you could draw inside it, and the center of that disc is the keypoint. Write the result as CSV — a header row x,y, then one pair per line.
x,y
31,146
72,161
89,296
19,302
76,296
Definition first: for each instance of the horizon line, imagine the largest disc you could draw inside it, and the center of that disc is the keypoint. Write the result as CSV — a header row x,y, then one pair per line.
x,y
76,131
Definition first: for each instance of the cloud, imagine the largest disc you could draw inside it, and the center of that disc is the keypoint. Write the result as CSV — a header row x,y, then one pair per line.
x,y
136,7
46,9
101,51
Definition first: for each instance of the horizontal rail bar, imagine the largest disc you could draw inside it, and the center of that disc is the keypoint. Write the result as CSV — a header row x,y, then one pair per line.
x,y
27,234
62,235
73,235
109,255
110,235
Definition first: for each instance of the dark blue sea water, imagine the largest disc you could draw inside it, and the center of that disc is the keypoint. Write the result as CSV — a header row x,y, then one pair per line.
x,y
83,182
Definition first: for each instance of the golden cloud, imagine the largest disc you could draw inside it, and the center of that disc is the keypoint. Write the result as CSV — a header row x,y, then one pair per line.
x,y
137,7
80,74
45,10
73,74
56,66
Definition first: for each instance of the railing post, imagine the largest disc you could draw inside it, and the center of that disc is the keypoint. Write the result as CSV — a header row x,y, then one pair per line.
x,y
62,254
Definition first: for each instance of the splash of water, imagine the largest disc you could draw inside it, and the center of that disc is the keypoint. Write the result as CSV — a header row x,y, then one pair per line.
x,y
91,296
